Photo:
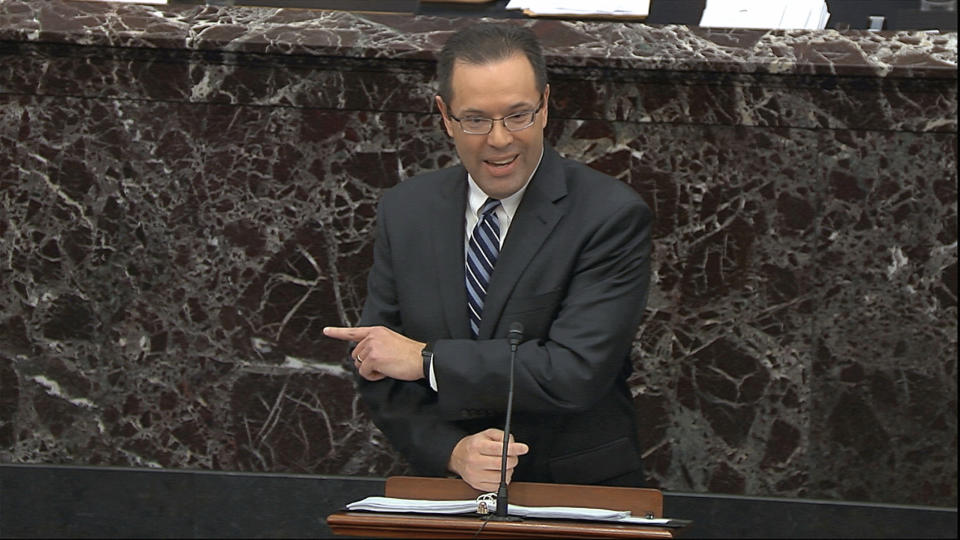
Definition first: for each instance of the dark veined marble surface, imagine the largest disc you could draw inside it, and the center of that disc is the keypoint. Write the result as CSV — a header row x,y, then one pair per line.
x,y
187,196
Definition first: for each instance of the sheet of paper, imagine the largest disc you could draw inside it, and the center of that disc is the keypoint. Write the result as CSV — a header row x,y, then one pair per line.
x,y
624,8
158,2
766,14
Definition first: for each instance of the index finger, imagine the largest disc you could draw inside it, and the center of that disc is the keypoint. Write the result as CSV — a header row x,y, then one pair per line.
x,y
346,333
513,449
494,447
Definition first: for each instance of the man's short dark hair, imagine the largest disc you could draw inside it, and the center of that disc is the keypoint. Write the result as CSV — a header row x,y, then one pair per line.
x,y
480,44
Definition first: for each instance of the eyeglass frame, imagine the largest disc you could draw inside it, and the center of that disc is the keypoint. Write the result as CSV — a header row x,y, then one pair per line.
x,y
502,120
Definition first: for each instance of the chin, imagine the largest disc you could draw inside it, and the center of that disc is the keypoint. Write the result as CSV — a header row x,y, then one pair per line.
x,y
501,189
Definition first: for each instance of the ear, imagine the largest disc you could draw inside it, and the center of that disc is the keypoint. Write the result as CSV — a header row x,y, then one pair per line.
x,y
546,103
447,122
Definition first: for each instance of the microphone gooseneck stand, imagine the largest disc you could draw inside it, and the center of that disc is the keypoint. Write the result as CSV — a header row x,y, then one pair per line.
x,y
515,336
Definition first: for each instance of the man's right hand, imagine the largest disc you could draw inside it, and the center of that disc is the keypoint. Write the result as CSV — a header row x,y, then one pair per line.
x,y
476,458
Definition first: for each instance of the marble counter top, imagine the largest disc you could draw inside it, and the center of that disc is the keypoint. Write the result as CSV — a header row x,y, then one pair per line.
x,y
619,46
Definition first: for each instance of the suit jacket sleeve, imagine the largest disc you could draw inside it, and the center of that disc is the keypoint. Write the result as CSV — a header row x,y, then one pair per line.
x,y
407,412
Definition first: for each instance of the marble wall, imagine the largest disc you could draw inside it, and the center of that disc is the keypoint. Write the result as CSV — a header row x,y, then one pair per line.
x,y
187,196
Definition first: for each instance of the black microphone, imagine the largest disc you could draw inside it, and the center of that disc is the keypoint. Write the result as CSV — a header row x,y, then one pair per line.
x,y
515,336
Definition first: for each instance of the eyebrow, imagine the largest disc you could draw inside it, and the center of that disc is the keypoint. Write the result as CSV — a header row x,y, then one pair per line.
x,y
516,107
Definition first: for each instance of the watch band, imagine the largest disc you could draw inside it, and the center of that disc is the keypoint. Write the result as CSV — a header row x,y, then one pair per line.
x,y
427,354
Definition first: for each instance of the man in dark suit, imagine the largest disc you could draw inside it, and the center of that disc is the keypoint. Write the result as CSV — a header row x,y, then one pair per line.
x,y
516,233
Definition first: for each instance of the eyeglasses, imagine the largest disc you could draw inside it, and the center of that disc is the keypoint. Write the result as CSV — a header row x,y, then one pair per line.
x,y
477,125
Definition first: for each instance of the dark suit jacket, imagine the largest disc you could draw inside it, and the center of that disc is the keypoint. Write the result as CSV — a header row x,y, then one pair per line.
x,y
574,270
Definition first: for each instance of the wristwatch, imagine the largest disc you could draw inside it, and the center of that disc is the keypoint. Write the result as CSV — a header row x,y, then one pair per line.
x,y
427,354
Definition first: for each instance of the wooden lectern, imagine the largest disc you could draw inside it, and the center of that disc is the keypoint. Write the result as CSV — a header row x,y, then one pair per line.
x,y
640,502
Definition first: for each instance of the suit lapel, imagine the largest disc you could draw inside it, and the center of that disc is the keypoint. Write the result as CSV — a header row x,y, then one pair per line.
x,y
448,251
536,217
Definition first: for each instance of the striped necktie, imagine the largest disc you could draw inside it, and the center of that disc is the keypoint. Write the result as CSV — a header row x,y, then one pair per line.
x,y
481,257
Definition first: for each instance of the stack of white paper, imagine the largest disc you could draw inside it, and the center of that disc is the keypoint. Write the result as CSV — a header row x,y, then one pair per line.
x,y
766,14
573,8
393,504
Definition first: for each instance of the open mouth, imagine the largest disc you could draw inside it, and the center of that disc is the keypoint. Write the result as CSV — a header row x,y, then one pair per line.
x,y
500,163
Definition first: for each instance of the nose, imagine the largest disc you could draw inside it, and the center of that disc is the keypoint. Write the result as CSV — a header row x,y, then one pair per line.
x,y
499,136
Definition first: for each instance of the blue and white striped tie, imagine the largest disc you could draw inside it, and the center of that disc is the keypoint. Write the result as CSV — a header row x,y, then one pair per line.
x,y
481,257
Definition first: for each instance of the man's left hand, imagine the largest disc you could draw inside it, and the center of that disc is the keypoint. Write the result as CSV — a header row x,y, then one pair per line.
x,y
381,352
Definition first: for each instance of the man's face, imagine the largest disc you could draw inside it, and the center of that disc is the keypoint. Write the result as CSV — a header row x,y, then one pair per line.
x,y
501,161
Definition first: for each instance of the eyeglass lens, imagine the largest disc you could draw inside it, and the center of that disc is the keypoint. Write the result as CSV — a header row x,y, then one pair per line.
x,y
514,122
